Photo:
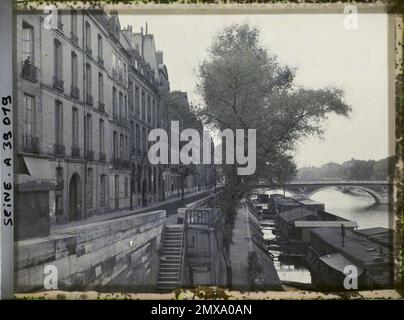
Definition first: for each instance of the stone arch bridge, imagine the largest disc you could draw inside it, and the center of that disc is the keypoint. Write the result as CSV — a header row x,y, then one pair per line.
x,y
378,189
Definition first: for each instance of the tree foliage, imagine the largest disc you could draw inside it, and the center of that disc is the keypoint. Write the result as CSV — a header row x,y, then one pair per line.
x,y
243,86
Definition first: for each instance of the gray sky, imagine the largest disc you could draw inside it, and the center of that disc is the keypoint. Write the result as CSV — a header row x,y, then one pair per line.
x,y
325,54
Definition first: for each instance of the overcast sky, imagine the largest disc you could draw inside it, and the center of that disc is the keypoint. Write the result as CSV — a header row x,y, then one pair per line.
x,y
325,54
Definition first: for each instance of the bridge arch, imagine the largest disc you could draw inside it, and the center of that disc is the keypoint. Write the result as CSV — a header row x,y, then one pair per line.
x,y
375,195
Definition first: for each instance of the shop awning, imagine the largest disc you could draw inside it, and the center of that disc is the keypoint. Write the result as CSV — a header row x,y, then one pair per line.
x,y
39,168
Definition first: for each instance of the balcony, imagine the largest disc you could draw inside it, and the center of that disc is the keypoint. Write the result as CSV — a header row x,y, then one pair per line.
x,y
60,26
103,156
114,74
59,150
58,83
90,155
75,92
89,51
30,144
119,163
75,152
29,71
123,121
60,185
101,107
74,38
115,116
89,99
100,61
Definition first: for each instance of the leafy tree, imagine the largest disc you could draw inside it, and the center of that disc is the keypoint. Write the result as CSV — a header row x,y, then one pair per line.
x,y
244,87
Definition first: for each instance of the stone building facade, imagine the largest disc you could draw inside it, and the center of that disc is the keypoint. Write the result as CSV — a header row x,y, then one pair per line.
x,y
88,94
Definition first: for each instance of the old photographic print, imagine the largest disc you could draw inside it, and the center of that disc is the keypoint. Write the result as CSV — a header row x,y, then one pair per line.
x,y
165,151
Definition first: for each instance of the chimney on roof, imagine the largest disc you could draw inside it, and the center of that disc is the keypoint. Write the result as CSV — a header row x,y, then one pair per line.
x,y
159,55
146,27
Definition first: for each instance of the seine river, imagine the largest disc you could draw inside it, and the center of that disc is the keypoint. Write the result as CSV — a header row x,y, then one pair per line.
x,y
356,207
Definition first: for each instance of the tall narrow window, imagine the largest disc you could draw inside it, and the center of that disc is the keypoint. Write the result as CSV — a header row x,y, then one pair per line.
x,y
89,96
103,190
27,43
137,138
120,105
89,188
144,140
28,116
114,107
121,147
126,106
58,126
74,25
88,38
114,66
126,148
120,68
132,136
115,146
143,102
126,189
100,55
89,134
74,70
58,60
102,137
100,88
137,100
75,128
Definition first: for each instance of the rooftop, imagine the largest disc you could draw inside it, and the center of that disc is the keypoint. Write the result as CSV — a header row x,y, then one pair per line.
x,y
375,231
338,262
355,247
325,224
295,214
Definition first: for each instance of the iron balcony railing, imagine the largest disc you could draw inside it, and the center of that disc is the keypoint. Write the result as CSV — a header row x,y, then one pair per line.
x,y
29,71
75,92
115,116
58,83
123,121
60,26
101,107
59,150
30,144
89,99
75,152
103,156
89,51
119,163
74,38
90,155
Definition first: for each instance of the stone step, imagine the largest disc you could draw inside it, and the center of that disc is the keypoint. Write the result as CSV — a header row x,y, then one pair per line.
x,y
170,248
172,245
168,275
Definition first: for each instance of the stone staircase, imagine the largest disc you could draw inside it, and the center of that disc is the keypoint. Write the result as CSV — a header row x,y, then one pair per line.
x,y
170,258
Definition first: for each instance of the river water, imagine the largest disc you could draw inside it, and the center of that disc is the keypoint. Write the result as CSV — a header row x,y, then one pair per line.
x,y
356,207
